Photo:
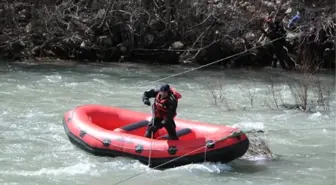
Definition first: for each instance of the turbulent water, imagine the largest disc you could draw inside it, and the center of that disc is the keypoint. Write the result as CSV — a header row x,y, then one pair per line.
x,y
35,150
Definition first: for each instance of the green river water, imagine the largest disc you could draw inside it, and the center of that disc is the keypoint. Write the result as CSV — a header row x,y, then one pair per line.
x,y
34,148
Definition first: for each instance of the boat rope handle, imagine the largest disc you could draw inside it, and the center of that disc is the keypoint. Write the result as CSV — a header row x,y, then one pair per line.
x,y
246,132
214,62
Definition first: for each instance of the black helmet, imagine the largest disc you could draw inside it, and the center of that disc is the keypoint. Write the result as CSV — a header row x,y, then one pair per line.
x,y
165,88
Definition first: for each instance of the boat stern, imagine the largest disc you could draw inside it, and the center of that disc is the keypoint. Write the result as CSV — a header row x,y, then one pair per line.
x,y
229,147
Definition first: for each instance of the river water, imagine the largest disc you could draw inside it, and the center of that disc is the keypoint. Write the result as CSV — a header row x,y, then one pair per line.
x,y
35,150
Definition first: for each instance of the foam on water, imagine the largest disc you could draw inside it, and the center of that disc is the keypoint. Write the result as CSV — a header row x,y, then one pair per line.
x,y
80,168
100,81
205,167
56,78
247,125
71,84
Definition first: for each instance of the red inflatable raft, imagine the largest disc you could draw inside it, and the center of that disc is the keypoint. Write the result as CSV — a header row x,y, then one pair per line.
x,y
111,131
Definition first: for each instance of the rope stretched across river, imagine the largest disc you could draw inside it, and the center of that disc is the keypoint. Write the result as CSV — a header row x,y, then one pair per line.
x,y
214,62
233,134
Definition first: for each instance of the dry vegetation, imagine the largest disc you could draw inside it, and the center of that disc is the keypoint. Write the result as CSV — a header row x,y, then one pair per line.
x,y
168,31
307,92
258,145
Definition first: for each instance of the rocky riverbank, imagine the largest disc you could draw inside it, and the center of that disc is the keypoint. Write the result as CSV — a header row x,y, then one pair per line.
x,y
166,32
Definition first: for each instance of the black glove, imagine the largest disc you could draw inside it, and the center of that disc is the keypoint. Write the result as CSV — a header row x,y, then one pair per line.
x,y
147,102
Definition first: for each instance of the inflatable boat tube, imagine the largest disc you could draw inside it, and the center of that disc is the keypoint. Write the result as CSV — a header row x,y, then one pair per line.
x,y
111,131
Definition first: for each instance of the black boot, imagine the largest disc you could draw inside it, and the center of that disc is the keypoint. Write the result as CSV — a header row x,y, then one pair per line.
x,y
171,129
150,131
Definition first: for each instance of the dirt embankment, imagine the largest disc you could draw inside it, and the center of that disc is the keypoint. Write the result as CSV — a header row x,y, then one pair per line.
x,y
165,31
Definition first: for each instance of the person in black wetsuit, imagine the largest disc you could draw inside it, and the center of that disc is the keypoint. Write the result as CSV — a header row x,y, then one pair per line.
x,y
276,31
164,110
